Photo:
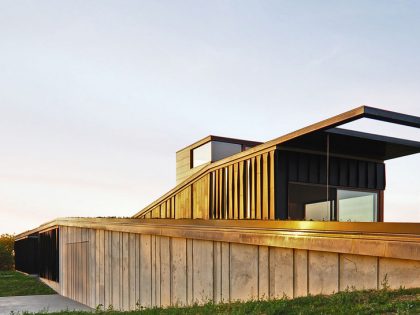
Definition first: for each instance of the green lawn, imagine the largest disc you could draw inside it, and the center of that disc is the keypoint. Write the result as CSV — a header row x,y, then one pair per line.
x,y
14,283
403,301
357,302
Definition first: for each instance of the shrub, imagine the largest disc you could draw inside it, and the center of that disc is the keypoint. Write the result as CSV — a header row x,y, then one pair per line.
x,y
6,252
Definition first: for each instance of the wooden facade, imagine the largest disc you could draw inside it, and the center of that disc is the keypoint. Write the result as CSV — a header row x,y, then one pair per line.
x,y
254,184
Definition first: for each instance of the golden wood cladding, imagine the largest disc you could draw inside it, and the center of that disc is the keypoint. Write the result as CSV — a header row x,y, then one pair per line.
x,y
256,151
242,190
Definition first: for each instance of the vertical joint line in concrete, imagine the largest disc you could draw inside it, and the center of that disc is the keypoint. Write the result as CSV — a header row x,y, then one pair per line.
x,y
294,273
377,273
307,272
338,273
258,272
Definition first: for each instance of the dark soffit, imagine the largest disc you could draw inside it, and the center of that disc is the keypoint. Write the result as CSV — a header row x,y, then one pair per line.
x,y
355,143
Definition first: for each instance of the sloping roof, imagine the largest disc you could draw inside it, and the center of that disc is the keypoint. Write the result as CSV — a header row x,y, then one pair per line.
x,y
390,147
355,143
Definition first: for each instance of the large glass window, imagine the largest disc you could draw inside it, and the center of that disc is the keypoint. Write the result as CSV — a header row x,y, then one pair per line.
x,y
309,202
318,211
357,206
315,203
201,155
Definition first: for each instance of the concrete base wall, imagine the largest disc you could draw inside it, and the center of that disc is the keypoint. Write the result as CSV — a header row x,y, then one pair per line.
x,y
129,270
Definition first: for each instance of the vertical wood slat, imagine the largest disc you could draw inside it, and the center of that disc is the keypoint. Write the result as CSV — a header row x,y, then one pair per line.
x,y
211,195
265,186
196,194
252,188
168,208
241,190
230,191
246,189
258,187
201,198
222,193
271,186
163,210
236,191
225,194
216,194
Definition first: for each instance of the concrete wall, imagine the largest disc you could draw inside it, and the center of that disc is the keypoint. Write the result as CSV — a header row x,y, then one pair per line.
x,y
127,270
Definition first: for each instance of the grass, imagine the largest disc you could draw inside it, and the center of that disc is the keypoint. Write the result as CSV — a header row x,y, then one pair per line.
x,y
403,301
385,301
14,283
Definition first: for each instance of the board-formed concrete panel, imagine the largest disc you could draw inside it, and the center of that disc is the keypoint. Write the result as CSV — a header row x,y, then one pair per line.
x,y
243,272
179,271
132,271
300,271
263,273
323,272
358,272
145,270
202,271
159,270
225,286
281,272
165,272
398,272
115,270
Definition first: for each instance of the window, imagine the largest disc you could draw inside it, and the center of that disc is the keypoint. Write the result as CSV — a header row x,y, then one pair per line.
x,y
318,211
357,206
213,151
201,155
310,202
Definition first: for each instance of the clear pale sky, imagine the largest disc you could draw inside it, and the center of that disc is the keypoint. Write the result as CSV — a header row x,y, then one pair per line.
x,y
96,96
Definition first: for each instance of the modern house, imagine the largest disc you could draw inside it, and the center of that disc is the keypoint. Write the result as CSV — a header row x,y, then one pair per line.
x,y
300,214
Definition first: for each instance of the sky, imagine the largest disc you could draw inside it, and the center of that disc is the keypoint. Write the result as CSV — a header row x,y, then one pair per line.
x,y
97,96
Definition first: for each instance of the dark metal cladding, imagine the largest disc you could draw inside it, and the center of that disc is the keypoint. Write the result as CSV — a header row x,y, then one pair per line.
x,y
39,254
26,254
309,168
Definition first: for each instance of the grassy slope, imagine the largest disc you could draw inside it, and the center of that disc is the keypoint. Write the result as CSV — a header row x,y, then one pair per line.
x,y
404,301
13,283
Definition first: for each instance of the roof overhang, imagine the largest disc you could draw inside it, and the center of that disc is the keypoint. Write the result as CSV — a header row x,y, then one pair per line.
x,y
354,143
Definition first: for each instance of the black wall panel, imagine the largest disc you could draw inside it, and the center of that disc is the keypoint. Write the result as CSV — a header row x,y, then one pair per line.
x,y
39,254
312,169
27,255
49,255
